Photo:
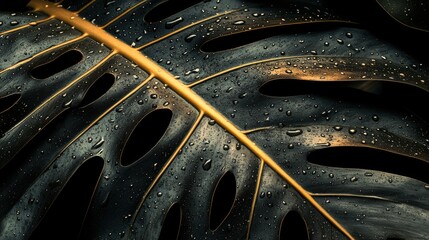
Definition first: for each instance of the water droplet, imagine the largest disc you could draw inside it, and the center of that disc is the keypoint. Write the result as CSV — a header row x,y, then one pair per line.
x,y
226,147
109,3
190,37
243,95
369,174
207,164
68,103
352,131
353,179
331,175
239,22
294,132
375,118
14,23
238,146
173,23
340,41
338,128
99,143
159,194
349,35
193,71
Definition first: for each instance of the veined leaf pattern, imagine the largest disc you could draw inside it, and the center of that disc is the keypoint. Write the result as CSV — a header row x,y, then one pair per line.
x,y
213,120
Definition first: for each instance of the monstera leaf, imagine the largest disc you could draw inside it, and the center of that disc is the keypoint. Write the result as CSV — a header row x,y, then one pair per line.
x,y
237,119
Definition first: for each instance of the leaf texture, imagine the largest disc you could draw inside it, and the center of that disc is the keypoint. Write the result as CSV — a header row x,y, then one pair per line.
x,y
213,120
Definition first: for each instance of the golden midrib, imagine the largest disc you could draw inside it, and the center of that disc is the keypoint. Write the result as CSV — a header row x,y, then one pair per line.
x,y
185,92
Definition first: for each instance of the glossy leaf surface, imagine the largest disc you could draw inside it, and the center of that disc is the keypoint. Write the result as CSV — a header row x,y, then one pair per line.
x,y
213,120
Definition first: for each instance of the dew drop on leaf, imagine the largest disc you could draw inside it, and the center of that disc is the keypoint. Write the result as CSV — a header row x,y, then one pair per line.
x,y
294,132
352,130
173,23
207,164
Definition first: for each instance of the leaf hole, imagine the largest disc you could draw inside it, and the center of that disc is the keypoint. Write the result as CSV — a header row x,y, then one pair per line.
x,y
146,135
171,224
167,9
98,89
371,159
9,101
294,87
57,65
293,226
65,217
222,200
381,93
16,5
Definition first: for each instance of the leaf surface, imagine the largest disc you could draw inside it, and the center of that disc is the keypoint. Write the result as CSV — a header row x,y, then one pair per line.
x,y
215,119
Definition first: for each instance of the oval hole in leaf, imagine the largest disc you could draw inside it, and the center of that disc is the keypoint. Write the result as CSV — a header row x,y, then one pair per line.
x,y
293,227
294,87
146,135
65,217
382,93
171,224
98,88
371,159
167,9
57,65
16,5
222,200
8,101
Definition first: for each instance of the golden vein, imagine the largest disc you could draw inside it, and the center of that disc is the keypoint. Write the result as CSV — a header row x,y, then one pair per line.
x,y
257,129
167,164
349,195
123,13
20,63
240,66
184,28
255,197
86,5
56,94
30,24
181,89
